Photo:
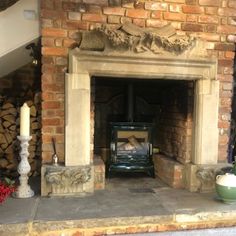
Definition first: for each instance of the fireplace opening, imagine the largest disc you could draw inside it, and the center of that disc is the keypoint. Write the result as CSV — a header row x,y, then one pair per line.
x,y
136,119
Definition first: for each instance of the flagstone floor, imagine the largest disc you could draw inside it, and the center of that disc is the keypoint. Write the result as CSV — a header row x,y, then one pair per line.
x,y
129,204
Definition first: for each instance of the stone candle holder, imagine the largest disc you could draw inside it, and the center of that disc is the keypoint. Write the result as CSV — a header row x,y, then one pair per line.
x,y
24,190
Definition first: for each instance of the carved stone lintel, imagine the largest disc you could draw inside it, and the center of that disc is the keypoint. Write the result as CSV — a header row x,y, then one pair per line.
x,y
133,38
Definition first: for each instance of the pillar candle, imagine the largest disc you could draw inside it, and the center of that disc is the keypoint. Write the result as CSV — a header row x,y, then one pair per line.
x,y
24,120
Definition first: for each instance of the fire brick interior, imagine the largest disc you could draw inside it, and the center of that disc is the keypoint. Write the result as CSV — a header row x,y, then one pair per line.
x,y
166,104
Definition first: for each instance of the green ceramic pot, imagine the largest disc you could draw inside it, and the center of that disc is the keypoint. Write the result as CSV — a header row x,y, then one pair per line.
x,y
226,187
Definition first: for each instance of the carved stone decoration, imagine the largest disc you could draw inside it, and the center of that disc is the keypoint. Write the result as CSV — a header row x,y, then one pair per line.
x,y
136,39
4,4
67,180
207,179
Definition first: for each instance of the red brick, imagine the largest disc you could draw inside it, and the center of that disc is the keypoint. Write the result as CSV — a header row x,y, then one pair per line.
x,y
231,38
58,42
69,6
139,5
57,5
54,51
48,78
225,63
192,27
74,15
156,6
48,95
191,18
209,2
96,2
47,60
225,102
94,17
47,4
175,8
137,13
222,156
227,70
61,61
48,69
156,23
119,11
232,3
48,129
211,10
139,22
94,9
69,43
174,16
57,23
223,139
232,20
210,28
69,24
48,138
48,42
156,15
227,12
46,23
127,4
51,122
229,54
226,29
52,87
208,19
192,9
226,94
125,19
175,1
52,32
225,46
209,36
60,130
52,14
113,19
191,2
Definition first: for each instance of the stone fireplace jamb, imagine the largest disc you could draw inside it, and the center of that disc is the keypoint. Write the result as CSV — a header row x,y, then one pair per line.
x,y
77,119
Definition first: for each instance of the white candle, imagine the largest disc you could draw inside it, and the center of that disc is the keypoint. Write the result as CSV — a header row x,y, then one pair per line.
x,y
24,120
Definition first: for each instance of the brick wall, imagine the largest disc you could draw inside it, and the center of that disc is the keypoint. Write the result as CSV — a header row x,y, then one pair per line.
x,y
175,122
212,20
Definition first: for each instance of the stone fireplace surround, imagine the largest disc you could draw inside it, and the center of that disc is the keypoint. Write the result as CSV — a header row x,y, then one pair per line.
x,y
191,65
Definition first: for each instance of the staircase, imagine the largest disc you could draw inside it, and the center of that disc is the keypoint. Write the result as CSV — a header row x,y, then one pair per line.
x,y
19,26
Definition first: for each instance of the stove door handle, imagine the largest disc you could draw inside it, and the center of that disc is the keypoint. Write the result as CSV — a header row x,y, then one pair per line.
x,y
150,149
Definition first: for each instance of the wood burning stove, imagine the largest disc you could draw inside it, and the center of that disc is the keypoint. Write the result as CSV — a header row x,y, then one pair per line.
x,y
131,148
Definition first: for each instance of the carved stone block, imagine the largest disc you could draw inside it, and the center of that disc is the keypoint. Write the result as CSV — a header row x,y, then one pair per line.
x,y
63,180
201,178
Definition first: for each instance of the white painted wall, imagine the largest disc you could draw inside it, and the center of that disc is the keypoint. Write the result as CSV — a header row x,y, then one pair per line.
x,y
15,30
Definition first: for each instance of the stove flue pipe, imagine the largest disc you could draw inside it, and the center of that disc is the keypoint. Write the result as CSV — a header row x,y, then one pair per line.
x,y
130,103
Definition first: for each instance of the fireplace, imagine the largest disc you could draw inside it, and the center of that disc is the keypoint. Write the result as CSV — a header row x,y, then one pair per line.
x,y
164,60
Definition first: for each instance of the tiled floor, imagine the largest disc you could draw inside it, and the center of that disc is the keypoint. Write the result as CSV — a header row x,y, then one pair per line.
x,y
127,199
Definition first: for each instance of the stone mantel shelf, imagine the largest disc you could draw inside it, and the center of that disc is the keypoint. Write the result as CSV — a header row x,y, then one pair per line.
x,y
141,65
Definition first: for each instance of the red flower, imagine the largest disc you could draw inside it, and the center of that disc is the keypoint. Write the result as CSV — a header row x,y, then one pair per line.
x,y
5,191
